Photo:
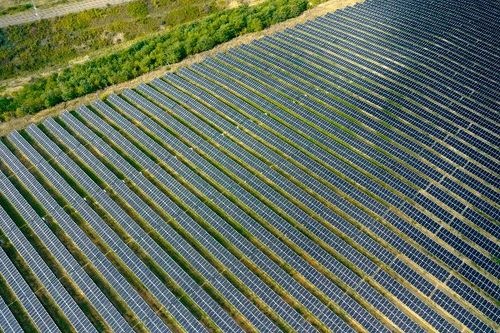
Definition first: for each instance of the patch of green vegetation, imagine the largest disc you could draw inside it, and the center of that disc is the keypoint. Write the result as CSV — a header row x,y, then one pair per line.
x,y
146,55
43,44
16,9
137,9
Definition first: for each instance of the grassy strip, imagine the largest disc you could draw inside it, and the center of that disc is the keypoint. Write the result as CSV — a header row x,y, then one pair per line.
x,y
234,250
147,55
42,45
119,303
328,204
29,276
150,299
155,235
9,297
184,298
254,240
16,9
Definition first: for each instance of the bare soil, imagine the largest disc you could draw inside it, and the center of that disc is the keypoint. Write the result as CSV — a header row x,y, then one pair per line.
x,y
320,10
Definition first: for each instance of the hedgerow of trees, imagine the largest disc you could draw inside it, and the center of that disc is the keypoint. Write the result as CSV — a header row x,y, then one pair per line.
x,y
48,44
147,55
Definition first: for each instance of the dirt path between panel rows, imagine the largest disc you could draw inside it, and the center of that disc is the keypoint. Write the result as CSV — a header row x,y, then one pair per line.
x,y
320,10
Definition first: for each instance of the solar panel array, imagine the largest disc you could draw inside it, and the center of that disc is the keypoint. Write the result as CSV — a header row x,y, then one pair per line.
x,y
341,175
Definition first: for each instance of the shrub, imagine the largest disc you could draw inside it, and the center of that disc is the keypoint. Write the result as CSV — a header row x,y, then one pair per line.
x,y
149,54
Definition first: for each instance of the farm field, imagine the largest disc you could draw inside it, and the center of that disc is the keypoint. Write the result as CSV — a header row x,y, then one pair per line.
x,y
341,175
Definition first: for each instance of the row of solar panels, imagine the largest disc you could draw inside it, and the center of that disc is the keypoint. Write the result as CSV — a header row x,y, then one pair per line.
x,y
453,129
440,24
289,162
439,176
101,124
451,153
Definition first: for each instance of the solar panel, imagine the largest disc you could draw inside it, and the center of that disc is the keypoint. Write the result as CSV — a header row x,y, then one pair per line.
x,y
339,174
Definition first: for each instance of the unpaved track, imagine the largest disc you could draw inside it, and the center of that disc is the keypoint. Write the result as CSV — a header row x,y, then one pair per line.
x,y
60,10
319,10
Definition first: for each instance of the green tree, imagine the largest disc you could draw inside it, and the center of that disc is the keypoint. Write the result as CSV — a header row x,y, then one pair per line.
x,y
169,48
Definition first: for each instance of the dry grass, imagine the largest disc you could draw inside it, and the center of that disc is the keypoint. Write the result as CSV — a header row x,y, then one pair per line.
x,y
322,9
39,3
